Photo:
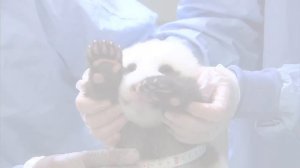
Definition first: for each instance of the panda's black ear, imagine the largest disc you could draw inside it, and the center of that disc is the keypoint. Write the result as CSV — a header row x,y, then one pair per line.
x,y
167,70
129,68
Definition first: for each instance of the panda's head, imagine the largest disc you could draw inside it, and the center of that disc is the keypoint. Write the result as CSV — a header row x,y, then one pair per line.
x,y
144,64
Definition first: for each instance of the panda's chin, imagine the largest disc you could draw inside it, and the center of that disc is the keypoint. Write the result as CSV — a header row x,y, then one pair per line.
x,y
143,115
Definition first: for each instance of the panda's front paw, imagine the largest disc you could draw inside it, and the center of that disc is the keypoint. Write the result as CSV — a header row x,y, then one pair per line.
x,y
171,93
104,58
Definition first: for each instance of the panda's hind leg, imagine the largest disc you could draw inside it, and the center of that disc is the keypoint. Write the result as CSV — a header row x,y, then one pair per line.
x,y
104,58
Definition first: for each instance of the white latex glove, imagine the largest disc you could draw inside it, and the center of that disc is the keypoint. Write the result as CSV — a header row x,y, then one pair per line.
x,y
103,119
117,158
203,121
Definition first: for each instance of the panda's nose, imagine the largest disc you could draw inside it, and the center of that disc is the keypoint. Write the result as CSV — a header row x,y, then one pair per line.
x,y
155,84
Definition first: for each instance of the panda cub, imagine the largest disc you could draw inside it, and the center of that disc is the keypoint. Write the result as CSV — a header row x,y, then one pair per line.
x,y
146,85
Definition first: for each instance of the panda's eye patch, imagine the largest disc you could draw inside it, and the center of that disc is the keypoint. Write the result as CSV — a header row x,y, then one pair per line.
x,y
166,69
130,68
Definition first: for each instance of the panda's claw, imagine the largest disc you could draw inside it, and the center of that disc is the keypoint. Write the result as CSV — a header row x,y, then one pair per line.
x,y
112,49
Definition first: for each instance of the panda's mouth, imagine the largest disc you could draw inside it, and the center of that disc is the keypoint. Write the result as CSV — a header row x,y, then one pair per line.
x,y
149,90
138,97
156,91
145,101
164,92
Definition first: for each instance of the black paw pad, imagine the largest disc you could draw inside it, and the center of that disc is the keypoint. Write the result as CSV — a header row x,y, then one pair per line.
x,y
170,93
105,63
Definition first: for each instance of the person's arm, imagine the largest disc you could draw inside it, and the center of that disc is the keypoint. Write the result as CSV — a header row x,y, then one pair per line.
x,y
260,93
270,96
289,105
226,32
218,31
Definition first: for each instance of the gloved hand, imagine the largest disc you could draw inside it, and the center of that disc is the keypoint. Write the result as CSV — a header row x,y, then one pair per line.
x,y
103,119
116,158
204,121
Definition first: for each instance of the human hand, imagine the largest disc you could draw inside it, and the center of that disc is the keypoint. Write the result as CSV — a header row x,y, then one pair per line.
x,y
204,121
114,158
104,119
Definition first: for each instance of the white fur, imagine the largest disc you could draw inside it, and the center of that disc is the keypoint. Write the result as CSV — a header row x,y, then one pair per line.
x,y
148,57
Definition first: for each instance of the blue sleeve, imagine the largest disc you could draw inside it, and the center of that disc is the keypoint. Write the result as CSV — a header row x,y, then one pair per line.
x,y
260,93
271,97
289,105
218,31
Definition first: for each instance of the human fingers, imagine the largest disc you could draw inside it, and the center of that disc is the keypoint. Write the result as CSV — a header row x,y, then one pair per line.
x,y
189,129
104,133
102,118
216,110
185,123
113,140
197,137
81,84
221,86
86,105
